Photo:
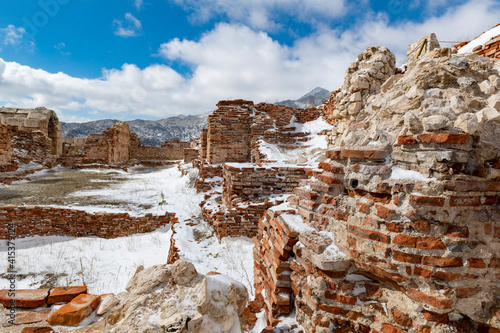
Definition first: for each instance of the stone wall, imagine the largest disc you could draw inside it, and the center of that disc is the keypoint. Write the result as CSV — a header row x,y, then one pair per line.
x,y
400,231
5,144
48,221
170,150
31,146
39,119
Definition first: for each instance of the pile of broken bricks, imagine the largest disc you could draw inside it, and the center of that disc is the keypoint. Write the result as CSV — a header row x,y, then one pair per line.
x,y
26,307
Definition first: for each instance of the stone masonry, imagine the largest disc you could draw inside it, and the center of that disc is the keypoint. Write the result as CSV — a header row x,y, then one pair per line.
x,y
400,231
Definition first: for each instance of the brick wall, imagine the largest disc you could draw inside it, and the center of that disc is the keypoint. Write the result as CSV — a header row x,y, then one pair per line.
x,y
236,128
5,144
28,146
418,255
170,150
246,189
191,154
48,221
491,48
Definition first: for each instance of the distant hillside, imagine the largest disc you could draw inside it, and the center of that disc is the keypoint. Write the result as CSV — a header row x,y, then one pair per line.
x,y
184,128
313,98
151,133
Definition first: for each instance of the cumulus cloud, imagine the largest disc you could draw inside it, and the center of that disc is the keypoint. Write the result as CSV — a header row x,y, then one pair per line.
x,y
130,27
232,61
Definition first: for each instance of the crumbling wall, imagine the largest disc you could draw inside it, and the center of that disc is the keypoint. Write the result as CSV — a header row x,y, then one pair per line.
x,y
237,128
170,150
49,221
39,119
399,233
111,147
191,154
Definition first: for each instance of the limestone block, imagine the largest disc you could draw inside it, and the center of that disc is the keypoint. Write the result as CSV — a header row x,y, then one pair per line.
x,y
467,122
32,123
183,272
19,122
488,114
486,87
494,102
436,123
359,82
356,97
390,82
354,108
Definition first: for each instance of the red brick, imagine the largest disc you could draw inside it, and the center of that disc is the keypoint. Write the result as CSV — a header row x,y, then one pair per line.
x,y
419,242
25,298
426,201
334,154
373,235
402,319
406,140
494,263
442,261
329,179
421,226
435,317
453,138
466,292
383,212
65,294
423,272
394,227
364,154
457,231
341,298
446,276
305,193
437,302
406,257
386,328
476,263
330,309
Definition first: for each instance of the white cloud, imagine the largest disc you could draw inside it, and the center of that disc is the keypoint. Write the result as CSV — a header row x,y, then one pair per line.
x,y
12,36
231,61
130,27
138,4
263,14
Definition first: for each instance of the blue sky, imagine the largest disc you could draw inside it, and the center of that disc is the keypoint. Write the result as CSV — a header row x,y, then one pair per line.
x,y
152,59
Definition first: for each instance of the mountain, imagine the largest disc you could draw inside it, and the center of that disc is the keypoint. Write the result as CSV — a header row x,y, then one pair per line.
x,y
151,133
184,128
313,98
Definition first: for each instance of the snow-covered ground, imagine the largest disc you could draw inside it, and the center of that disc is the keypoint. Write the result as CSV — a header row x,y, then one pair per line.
x,y
106,265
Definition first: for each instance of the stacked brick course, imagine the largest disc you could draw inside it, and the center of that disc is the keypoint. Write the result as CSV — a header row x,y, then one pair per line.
x,y
111,147
48,221
191,154
491,48
170,150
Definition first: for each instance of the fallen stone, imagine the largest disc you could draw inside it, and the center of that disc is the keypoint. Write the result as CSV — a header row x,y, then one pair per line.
x,y
25,298
107,304
37,330
65,294
76,311
29,317
175,323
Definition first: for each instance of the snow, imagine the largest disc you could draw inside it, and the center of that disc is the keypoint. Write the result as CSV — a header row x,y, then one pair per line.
x,y
296,223
310,150
403,174
481,40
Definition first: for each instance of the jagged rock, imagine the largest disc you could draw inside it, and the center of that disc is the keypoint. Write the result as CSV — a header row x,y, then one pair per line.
x,y
184,301
107,303
144,280
183,272
420,48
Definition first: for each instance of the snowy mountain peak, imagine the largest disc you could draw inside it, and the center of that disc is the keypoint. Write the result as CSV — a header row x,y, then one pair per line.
x,y
313,98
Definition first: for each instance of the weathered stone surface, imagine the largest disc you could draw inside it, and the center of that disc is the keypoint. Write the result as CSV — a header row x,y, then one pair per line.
x,y
183,272
107,303
65,294
75,311
37,330
24,298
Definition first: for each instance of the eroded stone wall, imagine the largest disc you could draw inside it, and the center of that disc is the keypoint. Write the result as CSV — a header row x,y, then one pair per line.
x,y
48,221
399,233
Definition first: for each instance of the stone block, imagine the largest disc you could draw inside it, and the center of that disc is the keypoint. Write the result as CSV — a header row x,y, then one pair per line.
x,y
76,311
